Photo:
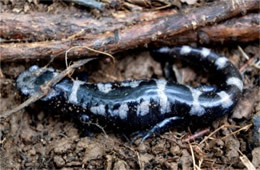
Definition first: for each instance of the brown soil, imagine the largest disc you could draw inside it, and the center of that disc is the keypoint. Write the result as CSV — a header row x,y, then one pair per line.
x,y
36,139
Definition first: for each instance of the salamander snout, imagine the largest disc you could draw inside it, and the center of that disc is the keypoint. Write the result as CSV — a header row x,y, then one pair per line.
x,y
30,81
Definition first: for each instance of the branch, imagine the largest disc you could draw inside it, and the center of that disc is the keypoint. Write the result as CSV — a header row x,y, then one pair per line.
x,y
240,29
131,37
44,26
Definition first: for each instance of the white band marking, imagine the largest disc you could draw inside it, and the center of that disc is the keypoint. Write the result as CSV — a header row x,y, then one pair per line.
x,y
221,62
185,50
131,84
143,108
164,50
73,96
163,99
196,109
104,87
121,111
205,52
236,82
100,109
225,99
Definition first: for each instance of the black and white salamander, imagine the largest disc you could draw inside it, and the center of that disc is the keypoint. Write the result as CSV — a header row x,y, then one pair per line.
x,y
153,105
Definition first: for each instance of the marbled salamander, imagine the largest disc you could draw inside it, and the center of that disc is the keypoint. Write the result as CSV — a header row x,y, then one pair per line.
x,y
143,104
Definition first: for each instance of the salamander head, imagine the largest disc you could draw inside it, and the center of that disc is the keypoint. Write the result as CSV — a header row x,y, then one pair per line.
x,y
29,82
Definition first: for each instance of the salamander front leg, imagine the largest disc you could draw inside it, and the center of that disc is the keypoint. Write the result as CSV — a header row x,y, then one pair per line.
x,y
160,127
85,126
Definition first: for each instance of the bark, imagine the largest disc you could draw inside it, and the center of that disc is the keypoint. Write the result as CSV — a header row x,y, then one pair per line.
x,y
138,35
44,26
240,29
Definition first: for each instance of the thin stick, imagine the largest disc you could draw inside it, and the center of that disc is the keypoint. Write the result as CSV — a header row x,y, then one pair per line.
x,y
215,131
257,64
196,135
243,53
90,49
193,158
237,131
141,166
248,63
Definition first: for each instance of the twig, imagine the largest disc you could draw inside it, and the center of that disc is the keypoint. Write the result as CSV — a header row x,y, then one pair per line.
x,y
32,99
193,157
248,63
237,131
243,53
1,73
200,162
257,64
215,131
196,135
90,49
138,156
2,141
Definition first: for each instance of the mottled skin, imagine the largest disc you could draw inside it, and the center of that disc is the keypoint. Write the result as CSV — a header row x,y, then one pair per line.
x,y
144,104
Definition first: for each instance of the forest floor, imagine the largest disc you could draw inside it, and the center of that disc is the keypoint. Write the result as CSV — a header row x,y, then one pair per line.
x,y
36,139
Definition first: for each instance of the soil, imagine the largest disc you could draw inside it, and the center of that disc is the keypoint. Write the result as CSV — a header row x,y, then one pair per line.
x,y
37,139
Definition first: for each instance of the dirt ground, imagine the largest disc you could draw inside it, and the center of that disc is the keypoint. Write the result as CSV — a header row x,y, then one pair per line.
x,y
37,139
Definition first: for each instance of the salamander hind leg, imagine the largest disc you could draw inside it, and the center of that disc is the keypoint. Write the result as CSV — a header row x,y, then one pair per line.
x,y
160,127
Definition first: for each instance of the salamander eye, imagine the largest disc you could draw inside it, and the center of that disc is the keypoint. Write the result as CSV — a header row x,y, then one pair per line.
x,y
84,118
